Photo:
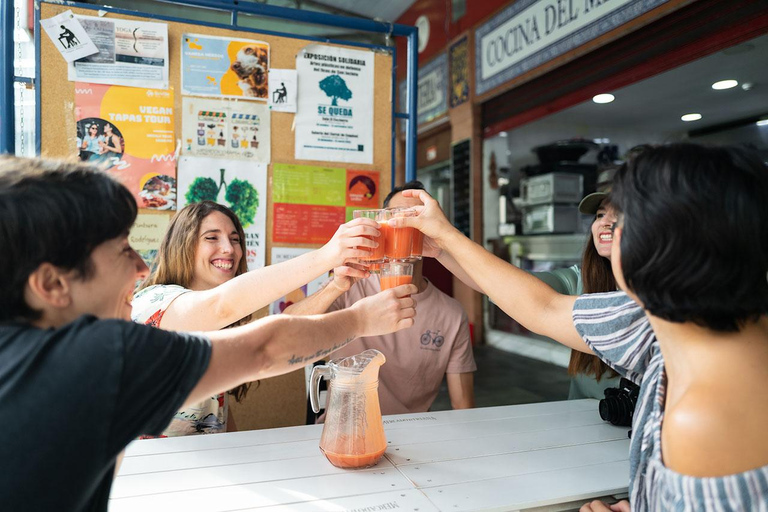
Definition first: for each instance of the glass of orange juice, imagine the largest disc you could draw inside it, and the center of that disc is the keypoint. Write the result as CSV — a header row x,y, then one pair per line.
x,y
381,216
396,273
399,240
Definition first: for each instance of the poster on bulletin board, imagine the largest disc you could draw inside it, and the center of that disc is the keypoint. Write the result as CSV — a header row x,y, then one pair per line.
x,y
280,254
129,131
237,184
147,234
334,118
131,53
226,129
309,203
224,67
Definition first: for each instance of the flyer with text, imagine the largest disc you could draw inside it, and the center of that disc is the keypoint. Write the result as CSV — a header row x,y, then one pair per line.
x,y
309,203
281,254
131,53
224,67
147,234
334,118
129,131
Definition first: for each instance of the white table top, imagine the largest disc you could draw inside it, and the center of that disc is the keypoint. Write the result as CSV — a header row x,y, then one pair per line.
x,y
496,458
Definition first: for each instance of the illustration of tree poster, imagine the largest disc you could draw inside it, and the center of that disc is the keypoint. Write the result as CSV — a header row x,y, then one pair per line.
x,y
225,129
334,118
309,203
239,184
129,130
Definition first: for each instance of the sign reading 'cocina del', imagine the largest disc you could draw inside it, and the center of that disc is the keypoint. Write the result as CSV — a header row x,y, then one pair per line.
x,y
529,33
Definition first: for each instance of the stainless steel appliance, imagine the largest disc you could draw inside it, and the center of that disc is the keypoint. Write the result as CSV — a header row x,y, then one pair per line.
x,y
553,187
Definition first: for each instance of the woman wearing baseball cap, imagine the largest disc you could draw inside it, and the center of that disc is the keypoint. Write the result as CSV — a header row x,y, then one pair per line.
x,y
589,375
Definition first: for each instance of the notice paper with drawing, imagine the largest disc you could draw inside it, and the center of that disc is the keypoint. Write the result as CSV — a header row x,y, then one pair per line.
x,y
282,90
334,119
69,36
132,53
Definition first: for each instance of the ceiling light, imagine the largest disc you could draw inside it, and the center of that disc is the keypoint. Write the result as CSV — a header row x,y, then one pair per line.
x,y
502,134
603,98
691,117
724,84
762,122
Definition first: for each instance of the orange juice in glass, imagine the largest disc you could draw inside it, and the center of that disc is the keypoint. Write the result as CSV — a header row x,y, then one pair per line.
x,y
417,248
399,240
396,273
376,254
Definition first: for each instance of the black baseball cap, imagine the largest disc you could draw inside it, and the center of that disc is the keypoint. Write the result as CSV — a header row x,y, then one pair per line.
x,y
591,203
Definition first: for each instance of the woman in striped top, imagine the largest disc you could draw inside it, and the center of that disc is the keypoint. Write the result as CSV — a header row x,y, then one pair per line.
x,y
690,252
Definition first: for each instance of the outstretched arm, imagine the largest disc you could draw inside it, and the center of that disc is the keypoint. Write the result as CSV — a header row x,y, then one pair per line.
x,y
523,297
281,343
213,309
319,302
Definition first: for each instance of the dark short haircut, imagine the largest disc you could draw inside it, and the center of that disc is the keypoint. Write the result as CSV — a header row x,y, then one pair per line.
x,y
411,185
57,213
694,246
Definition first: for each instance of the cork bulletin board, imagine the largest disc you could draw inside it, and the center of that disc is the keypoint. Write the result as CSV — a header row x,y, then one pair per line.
x,y
58,132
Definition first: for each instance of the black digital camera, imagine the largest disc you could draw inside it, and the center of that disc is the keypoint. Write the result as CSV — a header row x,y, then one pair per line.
x,y
618,406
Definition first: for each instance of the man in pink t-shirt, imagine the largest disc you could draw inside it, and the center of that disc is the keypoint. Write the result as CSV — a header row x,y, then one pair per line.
x,y
438,344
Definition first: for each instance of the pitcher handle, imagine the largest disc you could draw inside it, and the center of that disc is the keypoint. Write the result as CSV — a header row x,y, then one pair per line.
x,y
318,372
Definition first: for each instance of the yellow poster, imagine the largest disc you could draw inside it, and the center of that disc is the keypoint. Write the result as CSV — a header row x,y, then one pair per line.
x,y
129,131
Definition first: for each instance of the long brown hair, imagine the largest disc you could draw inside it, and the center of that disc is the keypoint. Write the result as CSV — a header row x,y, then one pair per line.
x,y
176,259
596,277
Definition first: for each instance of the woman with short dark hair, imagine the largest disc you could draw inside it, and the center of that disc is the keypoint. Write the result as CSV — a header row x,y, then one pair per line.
x,y
690,252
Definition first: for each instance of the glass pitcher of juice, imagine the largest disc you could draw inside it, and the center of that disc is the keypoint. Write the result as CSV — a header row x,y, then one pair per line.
x,y
353,433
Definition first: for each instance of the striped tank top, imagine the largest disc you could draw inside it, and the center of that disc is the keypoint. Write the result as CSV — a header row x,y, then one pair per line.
x,y
617,330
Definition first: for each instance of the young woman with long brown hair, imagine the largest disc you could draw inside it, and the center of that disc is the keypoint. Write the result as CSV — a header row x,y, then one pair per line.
x,y
589,375
201,283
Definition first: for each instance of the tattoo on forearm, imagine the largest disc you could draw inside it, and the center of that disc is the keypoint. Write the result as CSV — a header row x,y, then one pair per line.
x,y
319,354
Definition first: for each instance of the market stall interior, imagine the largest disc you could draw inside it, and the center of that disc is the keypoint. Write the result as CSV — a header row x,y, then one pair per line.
x,y
719,99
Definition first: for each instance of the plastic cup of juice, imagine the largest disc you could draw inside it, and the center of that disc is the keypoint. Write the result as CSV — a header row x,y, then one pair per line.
x,y
381,216
399,240
396,273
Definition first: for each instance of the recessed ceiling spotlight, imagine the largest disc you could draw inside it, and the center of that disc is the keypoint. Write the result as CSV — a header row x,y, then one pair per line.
x,y
724,84
691,117
603,98
502,134
747,86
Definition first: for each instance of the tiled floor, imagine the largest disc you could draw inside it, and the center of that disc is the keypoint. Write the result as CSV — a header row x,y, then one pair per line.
x,y
504,378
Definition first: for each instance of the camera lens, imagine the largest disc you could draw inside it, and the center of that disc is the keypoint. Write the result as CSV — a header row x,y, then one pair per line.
x,y
617,409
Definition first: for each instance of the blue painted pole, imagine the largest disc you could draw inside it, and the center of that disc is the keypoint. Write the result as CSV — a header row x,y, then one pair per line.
x,y
412,81
7,109
394,115
317,18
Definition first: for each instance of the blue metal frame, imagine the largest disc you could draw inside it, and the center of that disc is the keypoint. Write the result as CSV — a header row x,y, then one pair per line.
x,y
7,103
7,140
